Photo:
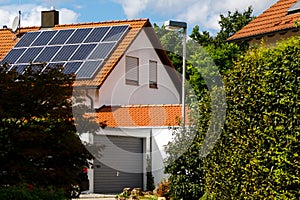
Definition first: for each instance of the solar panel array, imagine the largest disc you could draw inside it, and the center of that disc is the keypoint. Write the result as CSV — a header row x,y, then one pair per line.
x,y
81,51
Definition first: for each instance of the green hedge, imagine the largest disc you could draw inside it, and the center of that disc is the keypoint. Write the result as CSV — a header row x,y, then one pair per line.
x,y
31,193
257,156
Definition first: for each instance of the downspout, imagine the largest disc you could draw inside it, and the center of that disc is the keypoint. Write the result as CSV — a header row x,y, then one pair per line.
x,y
90,98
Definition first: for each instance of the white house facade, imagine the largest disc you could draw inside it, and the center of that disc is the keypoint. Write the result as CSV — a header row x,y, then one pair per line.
x,y
129,83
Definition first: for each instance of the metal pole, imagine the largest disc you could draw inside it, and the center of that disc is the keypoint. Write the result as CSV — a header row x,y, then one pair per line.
x,y
183,76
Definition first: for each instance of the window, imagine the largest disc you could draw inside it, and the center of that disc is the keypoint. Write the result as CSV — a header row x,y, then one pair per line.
x,y
152,74
132,70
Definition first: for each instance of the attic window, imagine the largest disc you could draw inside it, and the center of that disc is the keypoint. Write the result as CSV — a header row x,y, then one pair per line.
x,y
132,70
295,8
152,74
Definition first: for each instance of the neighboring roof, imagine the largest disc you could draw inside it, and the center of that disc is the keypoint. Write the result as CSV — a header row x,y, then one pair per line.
x,y
275,19
9,39
140,115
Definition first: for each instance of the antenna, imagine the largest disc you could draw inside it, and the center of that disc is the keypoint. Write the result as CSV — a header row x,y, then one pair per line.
x,y
16,23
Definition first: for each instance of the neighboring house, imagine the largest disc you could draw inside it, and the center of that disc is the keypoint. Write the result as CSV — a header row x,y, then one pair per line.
x,y
129,82
277,23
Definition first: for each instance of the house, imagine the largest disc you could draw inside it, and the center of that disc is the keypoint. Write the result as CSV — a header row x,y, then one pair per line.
x,y
277,23
128,81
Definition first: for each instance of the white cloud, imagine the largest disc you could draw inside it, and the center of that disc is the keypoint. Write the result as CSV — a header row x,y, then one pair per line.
x,y
31,15
133,7
202,12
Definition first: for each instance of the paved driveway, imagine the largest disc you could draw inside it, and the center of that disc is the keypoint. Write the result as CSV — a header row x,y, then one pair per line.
x,y
96,197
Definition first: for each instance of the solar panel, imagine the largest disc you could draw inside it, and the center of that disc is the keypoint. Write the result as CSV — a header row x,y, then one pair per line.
x,y
27,39
79,36
47,54
81,51
20,68
65,53
13,55
61,37
30,55
72,67
96,35
44,38
89,69
102,50
115,33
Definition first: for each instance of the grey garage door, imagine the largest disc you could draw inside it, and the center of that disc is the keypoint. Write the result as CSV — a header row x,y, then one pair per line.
x,y
120,164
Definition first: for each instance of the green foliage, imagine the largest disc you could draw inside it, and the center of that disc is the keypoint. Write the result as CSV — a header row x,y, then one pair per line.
x,y
28,193
38,140
257,156
184,163
150,179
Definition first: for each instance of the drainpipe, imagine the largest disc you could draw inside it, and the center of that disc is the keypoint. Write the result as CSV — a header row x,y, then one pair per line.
x,y
90,98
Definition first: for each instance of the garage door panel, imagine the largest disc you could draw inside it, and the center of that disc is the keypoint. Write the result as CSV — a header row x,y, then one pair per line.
x,y
120,166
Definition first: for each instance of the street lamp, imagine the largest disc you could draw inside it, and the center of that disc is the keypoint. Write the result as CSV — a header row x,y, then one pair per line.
x,y
178,26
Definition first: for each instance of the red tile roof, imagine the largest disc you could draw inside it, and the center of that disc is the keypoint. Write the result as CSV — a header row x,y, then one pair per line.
x,y
9,39
140,115
273,20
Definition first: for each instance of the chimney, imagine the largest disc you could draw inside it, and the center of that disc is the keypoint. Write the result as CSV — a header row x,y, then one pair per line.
x,y
50,18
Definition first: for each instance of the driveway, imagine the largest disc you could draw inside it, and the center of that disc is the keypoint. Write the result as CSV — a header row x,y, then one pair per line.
x,y
96,197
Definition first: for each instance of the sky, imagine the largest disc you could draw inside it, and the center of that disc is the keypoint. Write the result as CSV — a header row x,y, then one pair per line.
x,y
205,13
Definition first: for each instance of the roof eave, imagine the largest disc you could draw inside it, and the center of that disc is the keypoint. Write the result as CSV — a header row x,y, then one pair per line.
x,y
247,38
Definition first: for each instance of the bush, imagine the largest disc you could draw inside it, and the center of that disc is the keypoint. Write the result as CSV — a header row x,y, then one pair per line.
x,y
31,193
257,156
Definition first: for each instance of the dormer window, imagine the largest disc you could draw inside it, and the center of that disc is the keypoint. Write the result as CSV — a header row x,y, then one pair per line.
x,y
295,8
132,70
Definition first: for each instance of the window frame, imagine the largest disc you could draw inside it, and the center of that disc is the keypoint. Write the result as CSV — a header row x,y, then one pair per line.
x,y
130,81
152,83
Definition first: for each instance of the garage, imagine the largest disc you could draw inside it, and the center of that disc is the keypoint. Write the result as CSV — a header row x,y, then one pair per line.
x,y
120,164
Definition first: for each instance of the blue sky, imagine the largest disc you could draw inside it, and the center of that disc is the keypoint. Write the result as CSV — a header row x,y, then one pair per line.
x,y
204,13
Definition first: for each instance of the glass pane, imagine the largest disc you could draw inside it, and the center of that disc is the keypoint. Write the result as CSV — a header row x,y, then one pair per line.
x,y
102,50
79,36
89,69
71,67
61,37
30,55
83,51
47,54
44,38
96,35
65,53
115,33
27,39
13,55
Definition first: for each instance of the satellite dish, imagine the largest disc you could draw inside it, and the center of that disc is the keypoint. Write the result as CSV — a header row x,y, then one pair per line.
x,y
15,24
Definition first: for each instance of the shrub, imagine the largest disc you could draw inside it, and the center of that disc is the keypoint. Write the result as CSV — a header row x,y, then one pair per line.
x,y
31,193
257,156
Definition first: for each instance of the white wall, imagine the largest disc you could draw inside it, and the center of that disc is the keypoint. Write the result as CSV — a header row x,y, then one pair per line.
x,y
114,91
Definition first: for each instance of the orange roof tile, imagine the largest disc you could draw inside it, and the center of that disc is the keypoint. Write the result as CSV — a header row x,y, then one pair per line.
x,y
274,19
140,115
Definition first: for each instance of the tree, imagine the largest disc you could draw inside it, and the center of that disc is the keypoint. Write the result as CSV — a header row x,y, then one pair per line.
x,y
229,24
39,144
